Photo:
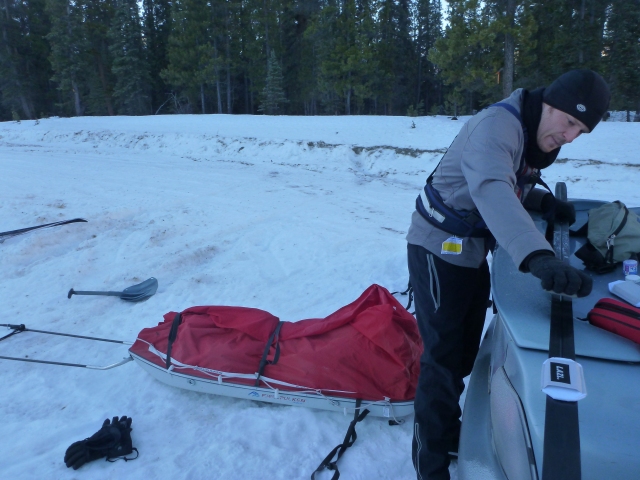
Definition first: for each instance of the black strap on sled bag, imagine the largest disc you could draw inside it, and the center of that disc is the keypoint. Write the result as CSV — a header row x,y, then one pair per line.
x,y
349,440
561,452
274,337
173,333
350,437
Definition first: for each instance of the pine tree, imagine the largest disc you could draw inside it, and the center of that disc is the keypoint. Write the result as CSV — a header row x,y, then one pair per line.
x,y
345,64
395,56
569,35
15,93
156,29
589,21
483,43
320,42
262,25
194,57
80,55
100,81
24,66
38,67
244,62
509,34
296,54
428,19
129,63
225,26
69,58
364,62
273,97
461,54
623,55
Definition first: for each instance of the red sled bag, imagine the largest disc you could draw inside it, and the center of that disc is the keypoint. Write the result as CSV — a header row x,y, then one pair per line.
x,y
369,349
616,317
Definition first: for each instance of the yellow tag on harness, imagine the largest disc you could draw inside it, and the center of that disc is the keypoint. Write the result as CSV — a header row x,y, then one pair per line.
x,y
452,246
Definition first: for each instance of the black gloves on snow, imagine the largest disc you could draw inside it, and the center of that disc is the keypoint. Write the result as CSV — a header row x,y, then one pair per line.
x,y
559,210
113,440
559,277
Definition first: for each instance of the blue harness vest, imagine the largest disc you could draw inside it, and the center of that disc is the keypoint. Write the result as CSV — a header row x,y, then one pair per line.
x,y
465,223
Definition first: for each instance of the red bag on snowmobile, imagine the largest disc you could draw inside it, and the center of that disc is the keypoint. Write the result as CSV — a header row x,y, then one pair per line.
x,y
616,317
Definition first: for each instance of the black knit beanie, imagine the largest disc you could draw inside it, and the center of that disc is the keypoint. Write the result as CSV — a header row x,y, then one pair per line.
x,y
583,94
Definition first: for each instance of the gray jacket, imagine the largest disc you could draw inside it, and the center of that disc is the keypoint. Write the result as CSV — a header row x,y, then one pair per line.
x,y
479,171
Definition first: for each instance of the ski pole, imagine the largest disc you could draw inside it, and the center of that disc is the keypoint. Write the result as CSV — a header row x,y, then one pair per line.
x,y
13,233
22,328
92,367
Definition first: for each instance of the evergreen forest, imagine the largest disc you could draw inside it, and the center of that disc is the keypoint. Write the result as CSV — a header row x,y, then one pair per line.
x,y
304,57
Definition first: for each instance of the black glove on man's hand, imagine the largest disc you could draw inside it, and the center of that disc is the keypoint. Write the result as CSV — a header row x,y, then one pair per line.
x,y
562,211
112,440
559,277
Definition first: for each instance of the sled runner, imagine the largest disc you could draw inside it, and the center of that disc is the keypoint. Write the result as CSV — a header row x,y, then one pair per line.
x,y
274,393
368,350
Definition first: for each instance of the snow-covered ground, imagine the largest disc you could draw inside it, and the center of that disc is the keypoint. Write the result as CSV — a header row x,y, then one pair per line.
x,y
293,215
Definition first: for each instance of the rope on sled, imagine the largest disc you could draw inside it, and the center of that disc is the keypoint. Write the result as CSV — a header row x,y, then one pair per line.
x,y
220,375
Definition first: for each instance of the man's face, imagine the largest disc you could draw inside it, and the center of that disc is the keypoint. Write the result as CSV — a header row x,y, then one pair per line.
x,y
557,128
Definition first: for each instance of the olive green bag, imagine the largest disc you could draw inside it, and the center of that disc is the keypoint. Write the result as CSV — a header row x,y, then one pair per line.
x,y
613,235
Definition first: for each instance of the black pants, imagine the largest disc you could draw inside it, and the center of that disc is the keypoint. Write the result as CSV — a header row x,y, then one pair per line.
x,y
451,305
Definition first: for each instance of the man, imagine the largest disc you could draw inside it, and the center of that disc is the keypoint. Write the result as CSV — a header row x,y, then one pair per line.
x,y
476,196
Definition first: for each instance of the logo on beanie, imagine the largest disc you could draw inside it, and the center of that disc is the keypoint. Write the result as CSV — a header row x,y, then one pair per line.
x,y
581,107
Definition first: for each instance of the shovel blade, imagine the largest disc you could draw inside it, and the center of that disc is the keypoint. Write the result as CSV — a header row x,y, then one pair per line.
x,y
141,291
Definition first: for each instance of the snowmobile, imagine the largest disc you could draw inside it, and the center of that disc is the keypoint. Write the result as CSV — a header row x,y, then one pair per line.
x,y
512,429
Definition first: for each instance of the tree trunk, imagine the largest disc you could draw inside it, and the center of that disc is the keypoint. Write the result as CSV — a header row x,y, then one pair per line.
x,y
419,66
228,51
218,93
202,97
266,31
581,51
229,106
76,99
26,108
509,51
347,102
103,80
23,99
246,93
